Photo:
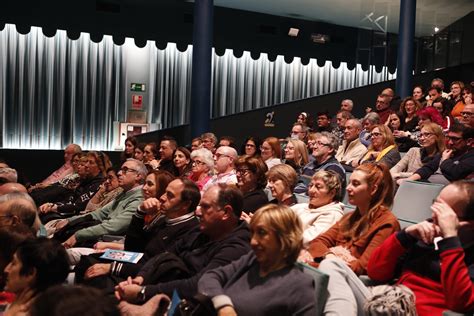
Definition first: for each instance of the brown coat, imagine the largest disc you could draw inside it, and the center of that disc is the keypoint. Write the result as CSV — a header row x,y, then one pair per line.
x,y
380,229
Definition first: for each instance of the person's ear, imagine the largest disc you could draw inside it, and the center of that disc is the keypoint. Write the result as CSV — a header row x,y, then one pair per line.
x,y
228,212
30,277
374,189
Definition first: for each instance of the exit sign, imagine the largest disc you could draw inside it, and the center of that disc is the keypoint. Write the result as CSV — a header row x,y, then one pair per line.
x,y
139,87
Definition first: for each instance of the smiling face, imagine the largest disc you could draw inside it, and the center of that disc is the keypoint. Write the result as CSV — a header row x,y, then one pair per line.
x,y
319,193
266,151
455,90
290,151
278,188
426,138
265,244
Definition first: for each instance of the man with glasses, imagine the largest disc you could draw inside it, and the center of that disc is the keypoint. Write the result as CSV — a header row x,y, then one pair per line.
x,y
456,162
220,239
324,151
299,131
352,150
467,115
224,159
115,217
209,141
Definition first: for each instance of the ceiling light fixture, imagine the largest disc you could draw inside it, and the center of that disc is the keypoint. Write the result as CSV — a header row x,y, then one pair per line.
x,y
436,29
293,32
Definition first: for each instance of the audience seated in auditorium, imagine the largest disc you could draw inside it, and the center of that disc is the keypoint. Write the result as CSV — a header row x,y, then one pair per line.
x,y
282,288
182,162
369,121
224,162
324,151
341,119
220,239
251,182
271,151
324,207
409,124
432,142
167,147
113,218
456,162
65,169
351,241
176,218
434,258
209,141
296,155
382,108
202,167
442,106
91,173
352,150
36,265
282,180
383,148
251,147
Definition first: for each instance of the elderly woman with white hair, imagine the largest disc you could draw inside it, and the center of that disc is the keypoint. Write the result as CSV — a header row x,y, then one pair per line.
x,y
202,167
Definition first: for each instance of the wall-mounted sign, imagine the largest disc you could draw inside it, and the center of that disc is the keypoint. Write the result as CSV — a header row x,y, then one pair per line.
x,y
139,87
270,119
137,102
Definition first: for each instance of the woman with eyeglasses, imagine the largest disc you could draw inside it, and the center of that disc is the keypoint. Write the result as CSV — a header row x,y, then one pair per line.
x,y
270,151
432,142
382,148
409,124
251,147
202,167
296,154
182,161
251,182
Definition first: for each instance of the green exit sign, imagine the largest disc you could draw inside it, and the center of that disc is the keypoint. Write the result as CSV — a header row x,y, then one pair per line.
x,y
140,87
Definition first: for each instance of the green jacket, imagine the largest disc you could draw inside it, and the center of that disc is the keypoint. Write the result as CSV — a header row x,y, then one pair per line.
x,y
115,217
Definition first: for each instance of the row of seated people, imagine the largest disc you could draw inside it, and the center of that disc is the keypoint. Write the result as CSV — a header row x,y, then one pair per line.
x,y
223,258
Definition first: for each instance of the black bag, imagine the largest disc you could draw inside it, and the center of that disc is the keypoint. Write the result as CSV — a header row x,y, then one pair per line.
x,y
74,226
199,305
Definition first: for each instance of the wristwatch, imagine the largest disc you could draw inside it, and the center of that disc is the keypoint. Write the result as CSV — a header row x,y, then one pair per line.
x,y
141,294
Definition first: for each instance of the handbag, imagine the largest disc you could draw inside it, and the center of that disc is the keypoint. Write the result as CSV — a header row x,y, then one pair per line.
x,y
390,300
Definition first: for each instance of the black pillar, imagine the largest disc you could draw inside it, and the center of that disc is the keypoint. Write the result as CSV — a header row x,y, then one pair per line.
x,y
202,61
406,37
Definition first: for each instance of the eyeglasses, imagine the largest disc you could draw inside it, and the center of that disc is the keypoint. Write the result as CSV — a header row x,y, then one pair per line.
x,y
425,134
319,143
242,172
218,156
197,162
463,113
454,139
375,134
264,148
124,170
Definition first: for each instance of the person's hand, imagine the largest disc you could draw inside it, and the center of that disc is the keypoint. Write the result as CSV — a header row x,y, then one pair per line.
x,y
368,109
446,154
97,269
151,206
424,231
48,207
374,154
156,306
305,256
355,163
401,180
227,311
71,242
446,219
246,217
61,224
127,290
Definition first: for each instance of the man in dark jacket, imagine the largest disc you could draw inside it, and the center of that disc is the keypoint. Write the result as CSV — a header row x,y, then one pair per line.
x,y
220,239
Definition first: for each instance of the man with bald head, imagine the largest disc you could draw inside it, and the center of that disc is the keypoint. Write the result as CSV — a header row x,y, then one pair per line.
x,y
12,187
18,208
224,159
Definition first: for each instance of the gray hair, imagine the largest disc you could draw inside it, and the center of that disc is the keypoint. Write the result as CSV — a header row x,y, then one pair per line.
x,y
141,168
357,123
22,206
333,140
206,156
348,101
229,151
211,136
372,117
9,174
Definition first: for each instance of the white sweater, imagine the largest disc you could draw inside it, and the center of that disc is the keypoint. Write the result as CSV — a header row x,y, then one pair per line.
x,y
317,220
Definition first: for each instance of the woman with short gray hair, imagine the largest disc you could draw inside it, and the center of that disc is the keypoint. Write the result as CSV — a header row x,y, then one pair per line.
x,y
202,167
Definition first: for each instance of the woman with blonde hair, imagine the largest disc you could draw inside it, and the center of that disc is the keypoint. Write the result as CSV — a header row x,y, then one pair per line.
x,y
382,148
296,154
431,140
283,289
